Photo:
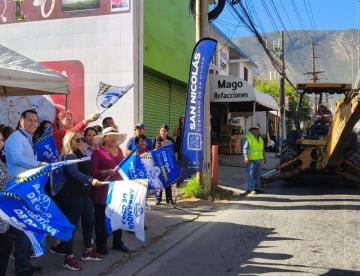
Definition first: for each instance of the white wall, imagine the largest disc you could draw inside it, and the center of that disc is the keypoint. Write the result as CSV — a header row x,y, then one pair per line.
x,y
104,44
222,53
260,118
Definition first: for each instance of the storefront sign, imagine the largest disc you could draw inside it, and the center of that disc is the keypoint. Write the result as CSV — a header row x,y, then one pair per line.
x,y
15,11
230,89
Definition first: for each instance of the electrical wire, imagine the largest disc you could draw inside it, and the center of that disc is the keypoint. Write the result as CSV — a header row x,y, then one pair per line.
x,y
244,16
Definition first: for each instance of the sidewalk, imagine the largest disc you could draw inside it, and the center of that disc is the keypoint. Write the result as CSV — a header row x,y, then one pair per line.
x,y
232,171
160,220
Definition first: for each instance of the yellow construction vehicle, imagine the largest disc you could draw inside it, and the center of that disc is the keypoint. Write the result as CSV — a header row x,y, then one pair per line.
x,y
332,148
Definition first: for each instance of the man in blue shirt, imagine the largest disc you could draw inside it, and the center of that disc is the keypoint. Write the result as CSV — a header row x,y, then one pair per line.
x,y
131,145
21,156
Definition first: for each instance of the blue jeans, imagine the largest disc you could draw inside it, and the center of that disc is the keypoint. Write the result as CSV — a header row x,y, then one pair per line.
x,y
22,252
253,173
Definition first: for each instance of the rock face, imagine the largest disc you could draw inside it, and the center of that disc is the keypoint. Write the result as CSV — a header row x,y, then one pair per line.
x,y
337,53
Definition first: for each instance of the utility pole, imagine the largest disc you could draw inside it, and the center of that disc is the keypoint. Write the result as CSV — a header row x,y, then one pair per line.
x,y
202,30
314,73
282,93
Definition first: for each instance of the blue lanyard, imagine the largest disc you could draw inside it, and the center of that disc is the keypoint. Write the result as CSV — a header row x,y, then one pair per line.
x,y
30,141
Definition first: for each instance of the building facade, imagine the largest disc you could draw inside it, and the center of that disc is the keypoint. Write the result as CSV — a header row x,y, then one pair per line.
x,y
235,104
148,43
90,41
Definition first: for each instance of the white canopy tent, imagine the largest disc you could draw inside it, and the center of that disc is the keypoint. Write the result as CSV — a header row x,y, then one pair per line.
x,y
26,84
21,76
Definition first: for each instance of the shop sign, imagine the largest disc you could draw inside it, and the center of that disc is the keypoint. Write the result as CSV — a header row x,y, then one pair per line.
x,y
230,89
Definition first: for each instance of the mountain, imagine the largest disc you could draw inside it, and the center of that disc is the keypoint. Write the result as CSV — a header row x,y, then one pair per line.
x,y
337,53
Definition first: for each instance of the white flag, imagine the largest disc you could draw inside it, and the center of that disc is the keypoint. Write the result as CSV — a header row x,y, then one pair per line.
x,y
125,206
108,94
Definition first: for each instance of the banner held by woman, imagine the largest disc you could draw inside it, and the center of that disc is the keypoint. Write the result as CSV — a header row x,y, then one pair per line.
x,y
125,206
108,95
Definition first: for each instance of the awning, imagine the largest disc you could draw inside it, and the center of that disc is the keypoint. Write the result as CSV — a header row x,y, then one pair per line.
x,y
21,76
239,95
266,100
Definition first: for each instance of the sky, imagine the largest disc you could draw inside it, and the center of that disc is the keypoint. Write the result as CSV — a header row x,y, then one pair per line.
x,y
313,15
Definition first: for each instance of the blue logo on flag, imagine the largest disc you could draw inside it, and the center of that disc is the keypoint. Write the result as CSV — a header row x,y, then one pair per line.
x,y
158,166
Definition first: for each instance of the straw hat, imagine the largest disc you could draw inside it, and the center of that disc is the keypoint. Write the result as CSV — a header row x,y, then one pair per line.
x,y
110,131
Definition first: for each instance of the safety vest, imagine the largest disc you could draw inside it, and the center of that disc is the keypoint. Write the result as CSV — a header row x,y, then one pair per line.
x,y
256,147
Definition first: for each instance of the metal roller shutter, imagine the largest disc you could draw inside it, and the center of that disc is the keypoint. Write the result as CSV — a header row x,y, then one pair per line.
x,y
177,104
156,103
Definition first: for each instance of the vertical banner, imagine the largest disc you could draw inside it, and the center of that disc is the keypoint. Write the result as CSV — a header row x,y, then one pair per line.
x,y
193,142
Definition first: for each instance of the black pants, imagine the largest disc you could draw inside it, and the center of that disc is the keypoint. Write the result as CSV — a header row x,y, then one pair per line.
x,y
23,248
5,250
168,194
74,208
100,230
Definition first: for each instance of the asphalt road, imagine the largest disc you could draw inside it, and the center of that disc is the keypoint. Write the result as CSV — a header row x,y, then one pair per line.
x,y
310,227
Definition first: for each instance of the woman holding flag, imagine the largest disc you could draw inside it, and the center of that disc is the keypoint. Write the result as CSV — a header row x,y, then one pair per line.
x,y
65,124
75,200
103,161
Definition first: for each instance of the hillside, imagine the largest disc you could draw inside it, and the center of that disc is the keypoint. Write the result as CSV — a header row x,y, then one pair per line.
x,y
337,54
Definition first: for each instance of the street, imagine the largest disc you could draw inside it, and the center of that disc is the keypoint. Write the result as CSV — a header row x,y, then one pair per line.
x,y
310,227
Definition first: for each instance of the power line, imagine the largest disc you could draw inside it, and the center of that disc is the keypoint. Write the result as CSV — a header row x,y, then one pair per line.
x,y
287,14
312,15
270,16
297,13
244,16
287,33
308,15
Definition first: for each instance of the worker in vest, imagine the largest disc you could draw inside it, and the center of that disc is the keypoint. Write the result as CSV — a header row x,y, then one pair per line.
x,y
254,155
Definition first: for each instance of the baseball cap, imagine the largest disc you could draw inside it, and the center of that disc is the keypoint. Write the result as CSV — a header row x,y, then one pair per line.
x,y
254,127
139,125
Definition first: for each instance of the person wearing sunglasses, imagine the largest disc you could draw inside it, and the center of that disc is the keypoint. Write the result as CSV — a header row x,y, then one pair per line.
x,y
75,200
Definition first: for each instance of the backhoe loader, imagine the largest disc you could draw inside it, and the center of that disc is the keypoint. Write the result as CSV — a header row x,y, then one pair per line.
x,y
323,149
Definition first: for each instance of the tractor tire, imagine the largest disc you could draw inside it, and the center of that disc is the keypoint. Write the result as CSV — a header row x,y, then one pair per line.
x,y
352,156
288,152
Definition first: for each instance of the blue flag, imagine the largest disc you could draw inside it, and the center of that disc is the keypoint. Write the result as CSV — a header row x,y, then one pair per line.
x,y
25,205
46,151
159,166
192,148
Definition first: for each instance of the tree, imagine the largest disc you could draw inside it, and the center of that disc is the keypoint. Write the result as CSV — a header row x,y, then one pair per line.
x,y
272,88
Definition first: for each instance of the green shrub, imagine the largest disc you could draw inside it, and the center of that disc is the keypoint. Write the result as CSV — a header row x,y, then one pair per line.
x,y
192,188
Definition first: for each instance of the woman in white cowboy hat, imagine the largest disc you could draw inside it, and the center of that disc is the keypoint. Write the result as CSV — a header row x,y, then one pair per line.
x,y
103,161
